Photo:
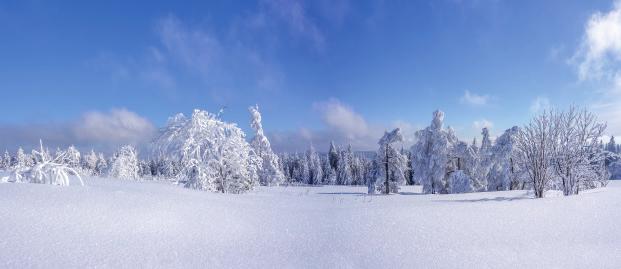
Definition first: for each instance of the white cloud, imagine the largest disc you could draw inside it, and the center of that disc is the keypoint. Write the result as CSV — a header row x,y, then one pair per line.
x,y
540,104
474,99
98,130
343,125
482,123
601,45
598,60
342,118
116,126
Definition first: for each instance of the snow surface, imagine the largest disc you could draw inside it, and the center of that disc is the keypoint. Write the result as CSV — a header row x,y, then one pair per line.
x,y
127,224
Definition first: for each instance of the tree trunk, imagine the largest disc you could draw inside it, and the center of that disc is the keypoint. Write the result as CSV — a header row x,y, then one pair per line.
x,y
386,184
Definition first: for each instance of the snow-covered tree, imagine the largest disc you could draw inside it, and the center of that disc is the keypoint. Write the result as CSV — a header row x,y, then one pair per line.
x,y
125,164
357,170
462,169
474,145
329,177
90,163
612,145
333,156
213,154
5,163
535,150
72,157
343,172
269,172
430,155
20,158
484,159
301,172
315,172
102,165
391,163
504,173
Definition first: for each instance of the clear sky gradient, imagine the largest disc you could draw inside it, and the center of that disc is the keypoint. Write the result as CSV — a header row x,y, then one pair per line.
x,y
102,74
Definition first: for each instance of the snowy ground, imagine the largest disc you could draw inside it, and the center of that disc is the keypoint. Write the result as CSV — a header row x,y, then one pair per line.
x,y
123,224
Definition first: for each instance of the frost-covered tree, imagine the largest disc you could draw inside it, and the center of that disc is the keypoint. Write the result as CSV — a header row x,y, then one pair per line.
x,y
535,150
329,177
577,158
504,172
269,172
484,158
430,155
5,163
72,157
301,172
391,163
315,172
125,164
474,145
357,170
89,163
212,154
20,158
102,165
333,156
612,145
343,172
462,169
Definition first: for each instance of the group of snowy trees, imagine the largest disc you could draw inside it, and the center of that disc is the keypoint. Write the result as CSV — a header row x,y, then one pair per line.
x,y
556,150
90,164
341,166
560,150
123,164
214,155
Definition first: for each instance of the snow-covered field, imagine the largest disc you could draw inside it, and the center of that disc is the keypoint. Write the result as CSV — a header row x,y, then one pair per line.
x,y
125,224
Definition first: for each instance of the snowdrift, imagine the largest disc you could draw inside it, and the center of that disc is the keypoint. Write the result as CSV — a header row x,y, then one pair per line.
x,y
126,224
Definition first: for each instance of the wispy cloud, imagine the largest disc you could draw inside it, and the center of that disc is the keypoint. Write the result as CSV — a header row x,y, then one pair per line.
x,y
343,125
474,99
598,61
540,104
342,118
296,18
482,123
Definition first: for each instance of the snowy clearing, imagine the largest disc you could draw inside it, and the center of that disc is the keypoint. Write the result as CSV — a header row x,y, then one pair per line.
x,y
127,224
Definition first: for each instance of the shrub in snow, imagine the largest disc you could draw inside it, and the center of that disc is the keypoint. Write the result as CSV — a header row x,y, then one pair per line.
x,y
459,182
45,171
213,154
269,171
125,164
391,163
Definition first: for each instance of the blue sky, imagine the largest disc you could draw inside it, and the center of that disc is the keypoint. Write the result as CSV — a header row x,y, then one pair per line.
x,y
319,70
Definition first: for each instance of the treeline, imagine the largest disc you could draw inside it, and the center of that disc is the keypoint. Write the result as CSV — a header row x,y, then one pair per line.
x,y
557,150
